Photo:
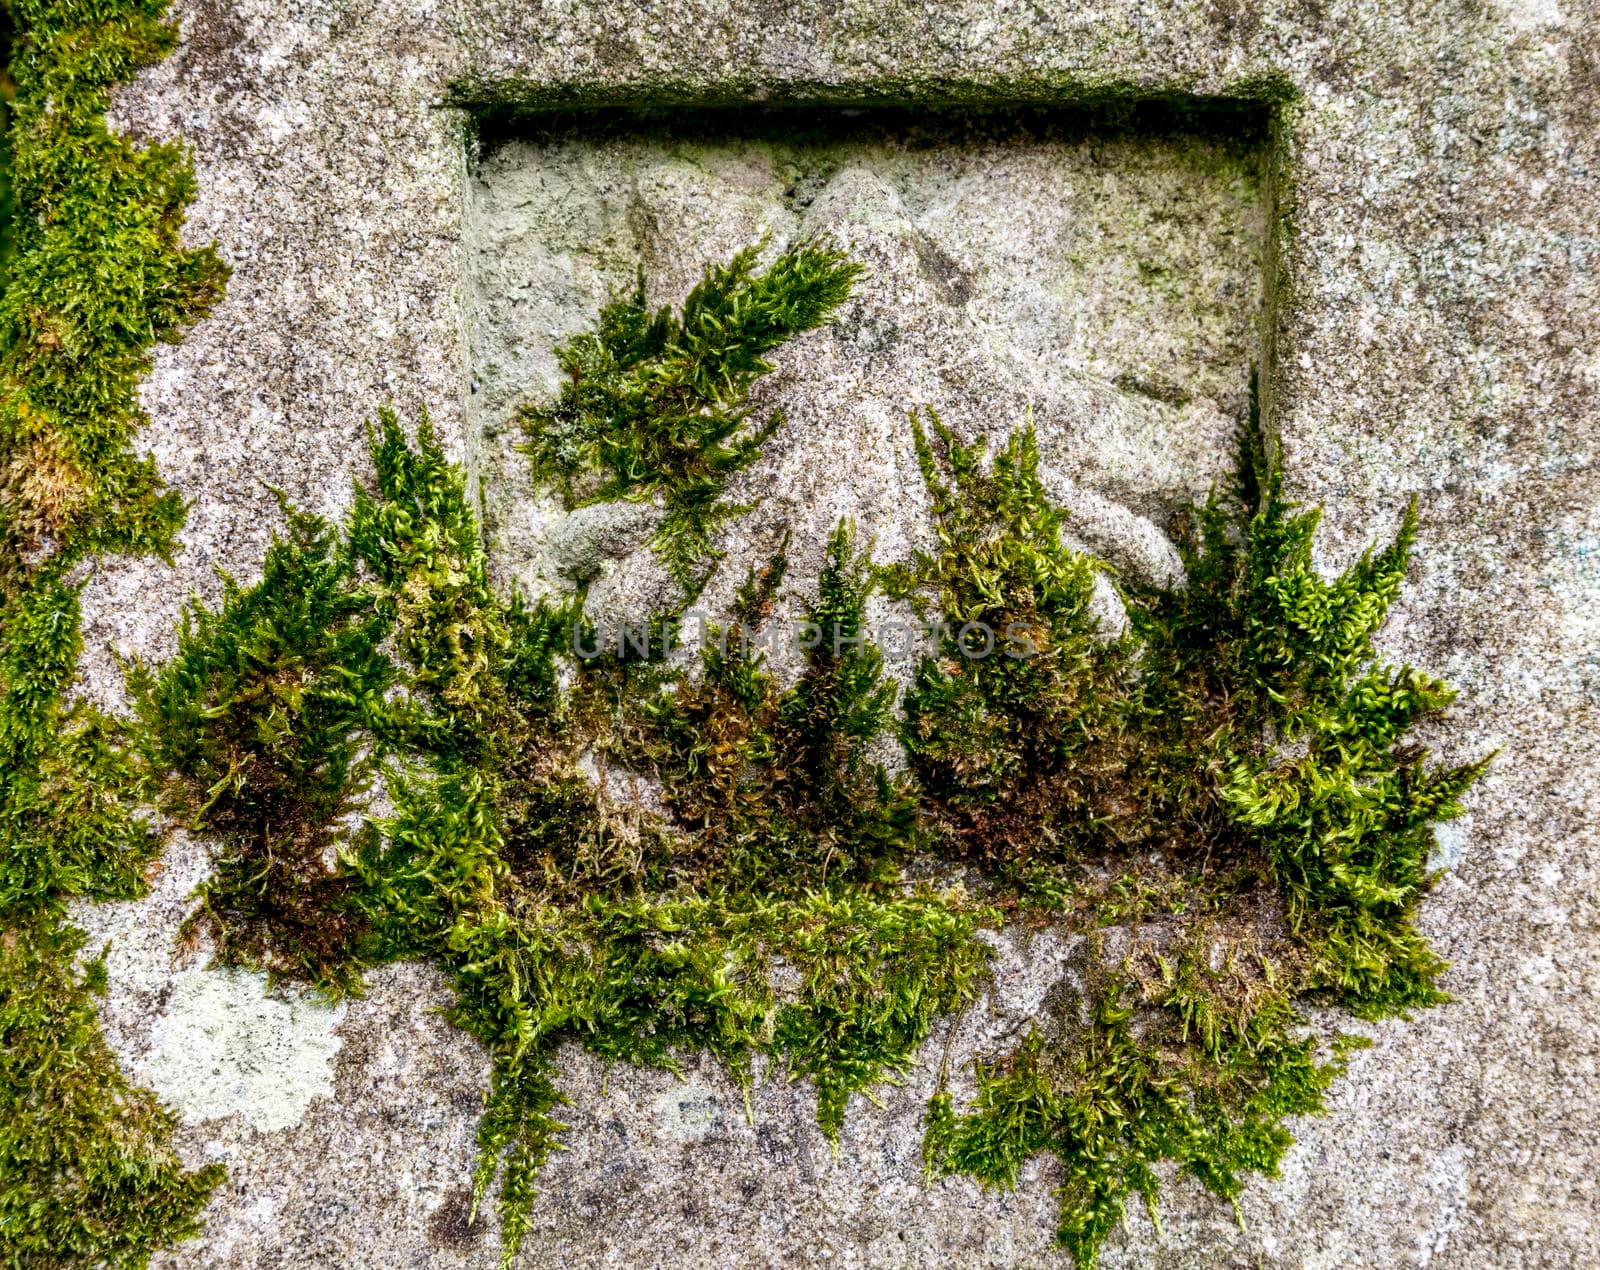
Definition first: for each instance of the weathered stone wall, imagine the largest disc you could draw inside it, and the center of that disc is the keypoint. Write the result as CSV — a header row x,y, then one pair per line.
x,y
1431,324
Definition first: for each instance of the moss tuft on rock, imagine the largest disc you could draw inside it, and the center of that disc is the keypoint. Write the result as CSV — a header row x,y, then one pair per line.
x,y
608,845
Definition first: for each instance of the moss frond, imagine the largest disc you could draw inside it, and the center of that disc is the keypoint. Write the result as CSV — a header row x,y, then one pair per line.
x,y
1015,725
263,733
656,404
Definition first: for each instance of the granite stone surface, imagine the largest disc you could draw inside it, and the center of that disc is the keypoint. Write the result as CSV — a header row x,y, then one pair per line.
x,y
1411,254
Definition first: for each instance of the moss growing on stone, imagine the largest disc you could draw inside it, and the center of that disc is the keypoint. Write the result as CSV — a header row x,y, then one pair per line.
x,y
562,909
1015,728
1114,1096
258,729
1228,785
655,404
1218,808
89,1176
95,277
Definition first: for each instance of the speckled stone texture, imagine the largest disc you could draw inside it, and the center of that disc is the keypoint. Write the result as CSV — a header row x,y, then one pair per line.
x,y
1433,320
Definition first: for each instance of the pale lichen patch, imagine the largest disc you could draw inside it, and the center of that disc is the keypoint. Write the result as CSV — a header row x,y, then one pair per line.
x,y
224,1047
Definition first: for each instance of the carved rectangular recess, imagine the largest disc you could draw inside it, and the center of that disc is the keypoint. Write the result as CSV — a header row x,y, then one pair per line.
x,y
1102,272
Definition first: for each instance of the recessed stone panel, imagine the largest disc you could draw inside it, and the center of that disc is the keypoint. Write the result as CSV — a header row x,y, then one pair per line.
x,y
1104,280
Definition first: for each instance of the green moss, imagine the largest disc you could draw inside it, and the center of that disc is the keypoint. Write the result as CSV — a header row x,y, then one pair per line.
x,y
8,94
89,1176
94,277
1015,727
1230,781
68,822
618,853
561,911
256,731
1110,1100
97,278
655,404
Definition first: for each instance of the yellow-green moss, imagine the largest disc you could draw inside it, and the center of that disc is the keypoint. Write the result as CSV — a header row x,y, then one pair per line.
x,y
1228,784
94,278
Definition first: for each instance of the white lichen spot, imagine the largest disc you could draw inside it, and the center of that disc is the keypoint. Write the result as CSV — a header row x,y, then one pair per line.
x,y
687,1112
223,1047
1449,844
1531,15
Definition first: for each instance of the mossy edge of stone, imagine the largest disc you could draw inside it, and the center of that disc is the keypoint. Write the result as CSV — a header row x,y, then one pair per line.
x,y
508,107
96,277
1106,95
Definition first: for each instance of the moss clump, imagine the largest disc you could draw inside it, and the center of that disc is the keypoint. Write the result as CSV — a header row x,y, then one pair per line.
x,y
1016,728
1218,807
1307,724
1227,783
562,910
94,277
1116,1098
777,783
97,277
656,404
89,1177
258,726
